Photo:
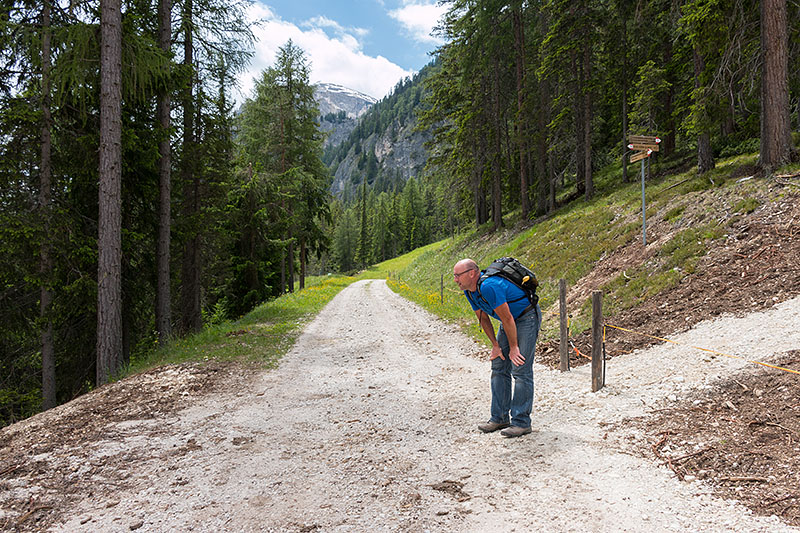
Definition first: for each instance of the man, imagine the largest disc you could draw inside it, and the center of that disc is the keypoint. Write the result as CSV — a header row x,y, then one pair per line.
x,y
512,349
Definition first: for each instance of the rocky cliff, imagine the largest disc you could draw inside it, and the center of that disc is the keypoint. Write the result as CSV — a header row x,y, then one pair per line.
x,y
384,145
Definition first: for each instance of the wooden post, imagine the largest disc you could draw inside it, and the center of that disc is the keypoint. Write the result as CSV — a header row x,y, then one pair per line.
x,y
441,291
598,379
563,347
644,211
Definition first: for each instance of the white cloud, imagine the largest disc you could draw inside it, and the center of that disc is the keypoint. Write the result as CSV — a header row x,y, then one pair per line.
x,y
325,22
336,58
419,19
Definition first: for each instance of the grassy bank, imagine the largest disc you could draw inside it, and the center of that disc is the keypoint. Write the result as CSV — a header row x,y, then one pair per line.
x,y
262,336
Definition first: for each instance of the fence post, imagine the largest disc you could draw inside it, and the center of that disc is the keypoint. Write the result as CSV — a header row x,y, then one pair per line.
x,y
563,347
598,377
441,291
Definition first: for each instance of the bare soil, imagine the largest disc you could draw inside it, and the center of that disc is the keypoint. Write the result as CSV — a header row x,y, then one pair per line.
x,y
742,437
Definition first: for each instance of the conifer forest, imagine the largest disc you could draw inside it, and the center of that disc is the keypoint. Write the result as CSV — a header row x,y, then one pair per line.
x,y
139,203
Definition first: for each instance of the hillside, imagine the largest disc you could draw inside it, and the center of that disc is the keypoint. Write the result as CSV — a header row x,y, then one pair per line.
x,y
384,146
722,242
724,245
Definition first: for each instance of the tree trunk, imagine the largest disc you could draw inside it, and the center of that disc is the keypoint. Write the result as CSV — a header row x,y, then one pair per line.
x,y
302,263
797,108
249,242
497,189
705,157
776,140
578,106
191,317
668,138
624,88
480,192
362,252
551,179
541,166
163,293
587,124
542,170
729,124
477,181
109,240
45,191
519,44
283,272
290,260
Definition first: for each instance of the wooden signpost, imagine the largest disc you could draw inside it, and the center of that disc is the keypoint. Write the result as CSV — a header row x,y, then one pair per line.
x,y
643,139
643,147
646,144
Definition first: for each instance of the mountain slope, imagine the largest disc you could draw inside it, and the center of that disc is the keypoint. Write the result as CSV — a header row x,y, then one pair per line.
x,y
339,109
384,147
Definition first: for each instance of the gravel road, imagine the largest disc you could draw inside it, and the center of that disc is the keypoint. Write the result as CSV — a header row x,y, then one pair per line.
x,y
369,423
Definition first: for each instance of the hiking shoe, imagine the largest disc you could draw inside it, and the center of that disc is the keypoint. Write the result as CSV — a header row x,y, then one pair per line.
x,y
515,431
490,426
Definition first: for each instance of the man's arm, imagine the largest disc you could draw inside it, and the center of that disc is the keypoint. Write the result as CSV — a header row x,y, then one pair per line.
x,y
488,328
510,327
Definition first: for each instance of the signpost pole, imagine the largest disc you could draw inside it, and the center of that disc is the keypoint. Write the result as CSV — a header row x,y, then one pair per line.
x,y
646,145
644,218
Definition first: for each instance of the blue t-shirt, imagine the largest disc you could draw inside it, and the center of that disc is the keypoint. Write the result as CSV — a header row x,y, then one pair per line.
x,y
496,291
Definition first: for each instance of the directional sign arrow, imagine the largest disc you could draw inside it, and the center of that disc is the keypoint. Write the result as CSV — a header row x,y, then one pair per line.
x,y
640,155
643,146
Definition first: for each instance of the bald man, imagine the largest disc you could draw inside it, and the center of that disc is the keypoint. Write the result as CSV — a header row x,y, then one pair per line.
x,y
512,349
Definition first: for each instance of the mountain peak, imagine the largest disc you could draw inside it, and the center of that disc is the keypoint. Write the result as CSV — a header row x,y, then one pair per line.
x,y
333,98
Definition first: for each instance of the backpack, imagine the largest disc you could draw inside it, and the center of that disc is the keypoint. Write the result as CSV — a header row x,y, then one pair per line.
x,y
515,272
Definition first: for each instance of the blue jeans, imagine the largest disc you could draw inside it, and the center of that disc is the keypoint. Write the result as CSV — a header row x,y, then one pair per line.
x,y
520,403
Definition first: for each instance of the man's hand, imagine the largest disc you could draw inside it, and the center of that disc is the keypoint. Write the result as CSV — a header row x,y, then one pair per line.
x,y
515,356
497,352
510,327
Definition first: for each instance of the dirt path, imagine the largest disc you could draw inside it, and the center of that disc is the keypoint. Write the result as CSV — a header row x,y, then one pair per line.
x,y
369,425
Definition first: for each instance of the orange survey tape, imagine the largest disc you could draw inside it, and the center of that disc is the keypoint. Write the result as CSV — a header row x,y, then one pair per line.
x,y
578,352
776,367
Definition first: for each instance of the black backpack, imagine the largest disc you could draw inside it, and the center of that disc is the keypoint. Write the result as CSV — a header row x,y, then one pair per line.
x,y
515,272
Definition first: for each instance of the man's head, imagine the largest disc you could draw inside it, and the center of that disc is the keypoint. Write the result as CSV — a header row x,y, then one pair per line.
x,y
466,274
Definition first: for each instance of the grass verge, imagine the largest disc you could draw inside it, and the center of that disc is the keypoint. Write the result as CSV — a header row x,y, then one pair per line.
x,y
261,337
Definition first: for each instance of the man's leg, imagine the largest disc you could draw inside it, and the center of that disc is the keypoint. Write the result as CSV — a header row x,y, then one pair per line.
x,y
522,400
501,381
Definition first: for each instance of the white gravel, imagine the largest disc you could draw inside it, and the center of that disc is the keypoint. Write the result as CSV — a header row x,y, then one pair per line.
x,y
378,401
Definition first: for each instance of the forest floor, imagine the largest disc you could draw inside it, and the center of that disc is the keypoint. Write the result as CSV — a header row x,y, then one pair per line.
x,y
369,423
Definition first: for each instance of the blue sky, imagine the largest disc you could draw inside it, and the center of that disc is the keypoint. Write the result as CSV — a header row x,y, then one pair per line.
x,y
366,45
